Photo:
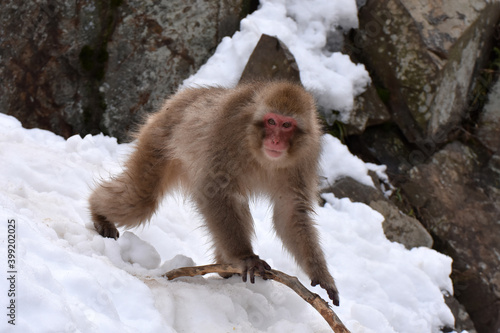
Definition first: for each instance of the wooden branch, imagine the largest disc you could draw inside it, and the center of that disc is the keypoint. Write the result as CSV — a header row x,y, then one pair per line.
x,y
291,281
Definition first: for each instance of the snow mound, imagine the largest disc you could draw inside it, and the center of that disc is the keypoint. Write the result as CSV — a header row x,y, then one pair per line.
x,y
136,251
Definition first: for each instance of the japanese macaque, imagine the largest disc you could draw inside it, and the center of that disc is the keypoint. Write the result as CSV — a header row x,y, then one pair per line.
x,y
223,146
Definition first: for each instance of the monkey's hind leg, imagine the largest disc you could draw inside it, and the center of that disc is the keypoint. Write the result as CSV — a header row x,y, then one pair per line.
x,y
131,198
121,202
117,202
104,227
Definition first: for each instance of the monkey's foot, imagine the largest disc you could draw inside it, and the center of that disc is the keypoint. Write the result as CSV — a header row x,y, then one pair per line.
x,y
252,264
105,228
330,288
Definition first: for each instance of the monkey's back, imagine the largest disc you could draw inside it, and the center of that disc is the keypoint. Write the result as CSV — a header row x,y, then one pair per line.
x,y
205,127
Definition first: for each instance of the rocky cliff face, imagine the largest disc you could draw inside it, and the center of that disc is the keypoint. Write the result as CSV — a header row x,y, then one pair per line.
x,y
425,53
91,66
433,64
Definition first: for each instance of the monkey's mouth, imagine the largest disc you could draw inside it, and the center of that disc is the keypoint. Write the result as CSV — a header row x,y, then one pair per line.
x,y
274,153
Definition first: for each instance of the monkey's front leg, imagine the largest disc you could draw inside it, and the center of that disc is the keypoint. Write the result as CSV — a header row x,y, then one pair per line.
x,y
299,235
229,221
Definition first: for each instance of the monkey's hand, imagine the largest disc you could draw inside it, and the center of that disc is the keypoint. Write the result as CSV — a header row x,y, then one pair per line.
x,y
330,288
250,265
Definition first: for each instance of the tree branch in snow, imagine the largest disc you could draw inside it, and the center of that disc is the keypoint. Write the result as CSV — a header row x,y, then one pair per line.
x,y
291,281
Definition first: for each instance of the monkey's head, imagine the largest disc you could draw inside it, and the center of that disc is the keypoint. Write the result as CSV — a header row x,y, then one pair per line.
x,y
285,127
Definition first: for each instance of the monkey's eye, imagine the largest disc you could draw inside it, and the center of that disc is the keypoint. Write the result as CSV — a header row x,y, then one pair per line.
x,y
271,122
287,124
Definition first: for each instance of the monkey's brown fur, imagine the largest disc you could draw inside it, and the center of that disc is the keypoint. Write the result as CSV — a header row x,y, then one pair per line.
x,y
208,142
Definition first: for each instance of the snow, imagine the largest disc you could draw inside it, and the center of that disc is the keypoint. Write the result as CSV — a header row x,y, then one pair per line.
x,y
67,278
340,163
71,278
304,27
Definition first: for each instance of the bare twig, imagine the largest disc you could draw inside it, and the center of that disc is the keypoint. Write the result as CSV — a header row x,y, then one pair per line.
x,y
292,282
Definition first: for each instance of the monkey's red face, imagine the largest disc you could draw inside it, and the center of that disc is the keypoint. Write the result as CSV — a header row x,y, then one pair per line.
x,y
279,131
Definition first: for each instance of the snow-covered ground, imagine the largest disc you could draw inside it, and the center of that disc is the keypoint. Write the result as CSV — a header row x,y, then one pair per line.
x,y
70,279
66,278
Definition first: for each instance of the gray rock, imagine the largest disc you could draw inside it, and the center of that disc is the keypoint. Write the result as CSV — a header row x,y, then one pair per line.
x,y
91,66
397,226
271,60
489,120
462,318
401,228
154,48
368,110
425,53
457,199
